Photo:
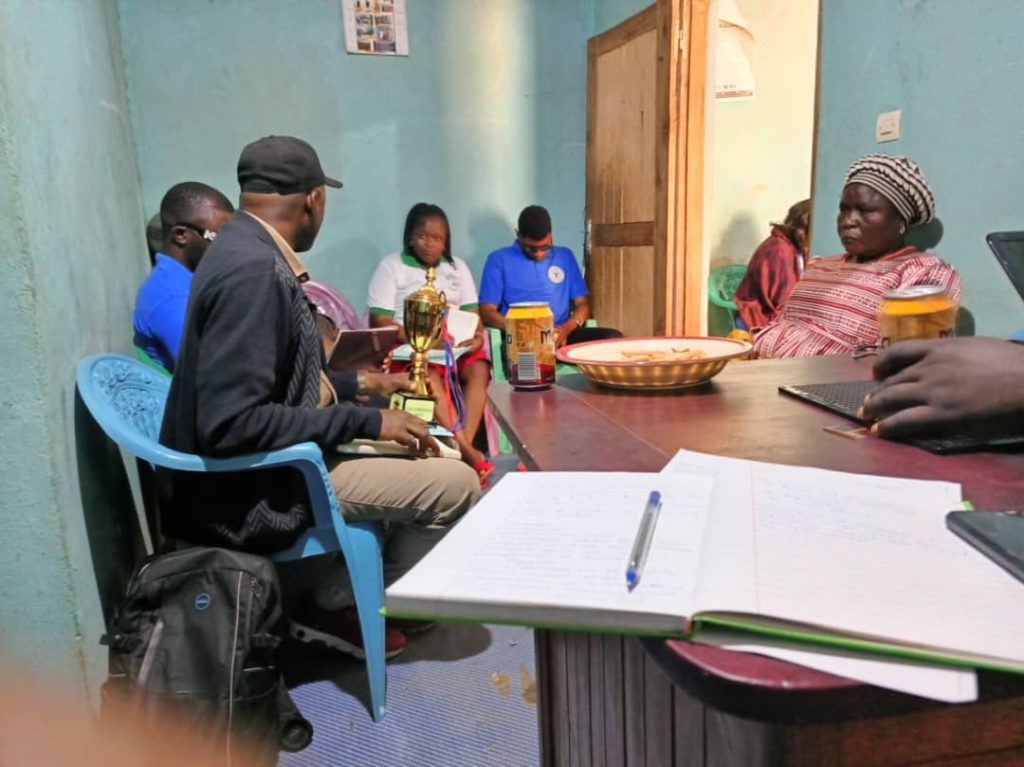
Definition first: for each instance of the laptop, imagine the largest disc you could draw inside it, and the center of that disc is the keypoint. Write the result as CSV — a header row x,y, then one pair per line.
x,y
1008,248
846,397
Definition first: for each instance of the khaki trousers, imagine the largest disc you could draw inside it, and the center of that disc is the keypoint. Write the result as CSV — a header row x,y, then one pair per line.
x,y
418,500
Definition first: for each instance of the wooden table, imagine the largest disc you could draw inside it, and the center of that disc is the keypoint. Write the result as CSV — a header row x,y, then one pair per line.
x,y
612,700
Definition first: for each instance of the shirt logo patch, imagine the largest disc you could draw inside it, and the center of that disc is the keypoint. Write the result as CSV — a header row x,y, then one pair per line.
x,y
556,274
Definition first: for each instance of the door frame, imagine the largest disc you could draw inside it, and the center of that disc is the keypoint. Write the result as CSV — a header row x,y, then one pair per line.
x,y
682,103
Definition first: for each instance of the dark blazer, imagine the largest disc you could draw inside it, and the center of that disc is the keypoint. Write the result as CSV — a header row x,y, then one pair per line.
x,y
242,385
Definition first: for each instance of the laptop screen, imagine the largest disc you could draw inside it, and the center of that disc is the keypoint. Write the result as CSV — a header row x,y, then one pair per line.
x,y
1008,248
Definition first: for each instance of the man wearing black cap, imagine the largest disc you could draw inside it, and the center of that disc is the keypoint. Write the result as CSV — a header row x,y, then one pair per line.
x,y
251,377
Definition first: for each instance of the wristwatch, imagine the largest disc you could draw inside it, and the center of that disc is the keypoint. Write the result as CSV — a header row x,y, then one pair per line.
x,y
361,389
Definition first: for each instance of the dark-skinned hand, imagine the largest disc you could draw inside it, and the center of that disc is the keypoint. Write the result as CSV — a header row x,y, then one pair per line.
x,y
387,383
953,386
562,332
475,344
408,430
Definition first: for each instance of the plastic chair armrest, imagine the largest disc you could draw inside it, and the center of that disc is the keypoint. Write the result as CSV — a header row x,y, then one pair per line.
x,y
173,459
305,457
497,358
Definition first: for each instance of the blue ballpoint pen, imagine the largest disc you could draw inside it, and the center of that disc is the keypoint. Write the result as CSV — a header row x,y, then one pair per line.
x,y
642,544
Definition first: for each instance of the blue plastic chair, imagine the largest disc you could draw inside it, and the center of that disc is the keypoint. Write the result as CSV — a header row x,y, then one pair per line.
x,y
127,399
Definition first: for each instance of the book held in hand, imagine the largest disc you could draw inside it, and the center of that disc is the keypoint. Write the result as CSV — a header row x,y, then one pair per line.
x,y
386,448
390,449
462,326
403,353
362,348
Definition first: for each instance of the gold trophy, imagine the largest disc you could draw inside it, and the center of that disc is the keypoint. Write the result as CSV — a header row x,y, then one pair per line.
x,y
424,318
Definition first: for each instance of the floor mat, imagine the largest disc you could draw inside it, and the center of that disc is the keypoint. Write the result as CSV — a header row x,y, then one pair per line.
x,y
461,694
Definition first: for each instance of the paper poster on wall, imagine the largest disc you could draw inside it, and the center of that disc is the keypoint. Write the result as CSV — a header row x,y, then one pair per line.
x,y
375,27
734,58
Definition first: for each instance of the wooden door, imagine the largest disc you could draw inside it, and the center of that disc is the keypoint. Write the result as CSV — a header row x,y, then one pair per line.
x,y
646,106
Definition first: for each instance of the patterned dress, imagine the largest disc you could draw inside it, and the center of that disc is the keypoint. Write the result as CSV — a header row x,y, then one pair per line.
x,y
834,307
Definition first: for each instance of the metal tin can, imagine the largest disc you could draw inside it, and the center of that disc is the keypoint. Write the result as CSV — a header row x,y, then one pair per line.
x,y
530,345
920,311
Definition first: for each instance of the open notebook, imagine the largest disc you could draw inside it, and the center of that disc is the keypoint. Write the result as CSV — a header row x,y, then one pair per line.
x,y
461,325
808,555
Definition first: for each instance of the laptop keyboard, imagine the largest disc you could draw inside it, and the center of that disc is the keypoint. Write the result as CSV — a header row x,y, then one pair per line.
x,y
846,397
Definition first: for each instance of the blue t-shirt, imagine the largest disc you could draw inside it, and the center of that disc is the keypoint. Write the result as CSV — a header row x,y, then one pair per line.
x,y
160,310
512,277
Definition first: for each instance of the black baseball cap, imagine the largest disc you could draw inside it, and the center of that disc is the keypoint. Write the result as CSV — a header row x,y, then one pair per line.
x,y
281,165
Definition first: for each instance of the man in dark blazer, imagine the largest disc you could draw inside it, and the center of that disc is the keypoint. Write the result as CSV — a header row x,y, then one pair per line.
x,y
251,376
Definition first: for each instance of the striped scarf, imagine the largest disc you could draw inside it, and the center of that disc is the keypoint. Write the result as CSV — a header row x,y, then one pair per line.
x,y
308,385
303,389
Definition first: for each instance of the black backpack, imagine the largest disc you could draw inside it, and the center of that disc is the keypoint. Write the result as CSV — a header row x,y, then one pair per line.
x,y
195,640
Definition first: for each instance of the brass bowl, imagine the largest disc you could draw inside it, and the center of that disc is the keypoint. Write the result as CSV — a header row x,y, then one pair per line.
x,y
603,361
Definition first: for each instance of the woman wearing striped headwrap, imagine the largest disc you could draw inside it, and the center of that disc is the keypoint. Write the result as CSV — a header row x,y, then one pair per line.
x,y
834,307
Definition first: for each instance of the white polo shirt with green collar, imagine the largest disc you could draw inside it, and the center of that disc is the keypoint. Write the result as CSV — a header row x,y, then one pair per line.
x,y
400,274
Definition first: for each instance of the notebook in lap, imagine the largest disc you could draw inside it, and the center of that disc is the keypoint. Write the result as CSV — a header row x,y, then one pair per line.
x,y
846,397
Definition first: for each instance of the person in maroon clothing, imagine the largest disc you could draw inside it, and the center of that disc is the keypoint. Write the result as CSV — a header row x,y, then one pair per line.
x,y
774,268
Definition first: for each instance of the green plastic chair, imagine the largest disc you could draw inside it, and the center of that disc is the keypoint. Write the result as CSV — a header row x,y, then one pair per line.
x,y
498,374
143,356
722,284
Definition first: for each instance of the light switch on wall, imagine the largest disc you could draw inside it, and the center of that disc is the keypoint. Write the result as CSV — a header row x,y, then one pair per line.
x,y
887,127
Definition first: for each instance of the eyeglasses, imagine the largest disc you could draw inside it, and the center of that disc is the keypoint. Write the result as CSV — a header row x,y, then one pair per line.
x,y
535,250
206,234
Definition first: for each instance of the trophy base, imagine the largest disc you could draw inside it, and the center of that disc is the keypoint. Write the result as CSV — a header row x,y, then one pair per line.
x,y
422,407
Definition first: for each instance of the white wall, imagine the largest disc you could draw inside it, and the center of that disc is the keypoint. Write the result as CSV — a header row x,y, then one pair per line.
x,y
761,148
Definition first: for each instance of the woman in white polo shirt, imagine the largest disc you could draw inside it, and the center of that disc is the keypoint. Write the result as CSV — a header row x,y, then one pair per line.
x,y
427,242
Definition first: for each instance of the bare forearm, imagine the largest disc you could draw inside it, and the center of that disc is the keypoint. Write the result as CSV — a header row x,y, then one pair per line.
x,y
581,310
492,317
382,321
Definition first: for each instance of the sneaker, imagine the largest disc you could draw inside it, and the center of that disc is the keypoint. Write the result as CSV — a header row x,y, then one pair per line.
x,y
410,626
339,631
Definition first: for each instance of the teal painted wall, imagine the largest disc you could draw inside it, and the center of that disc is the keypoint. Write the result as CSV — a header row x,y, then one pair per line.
x,y
487,114
73,253
956,70
607,13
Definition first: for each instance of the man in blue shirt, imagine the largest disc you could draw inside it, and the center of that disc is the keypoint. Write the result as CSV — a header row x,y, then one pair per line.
x,y
534,269
190,215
